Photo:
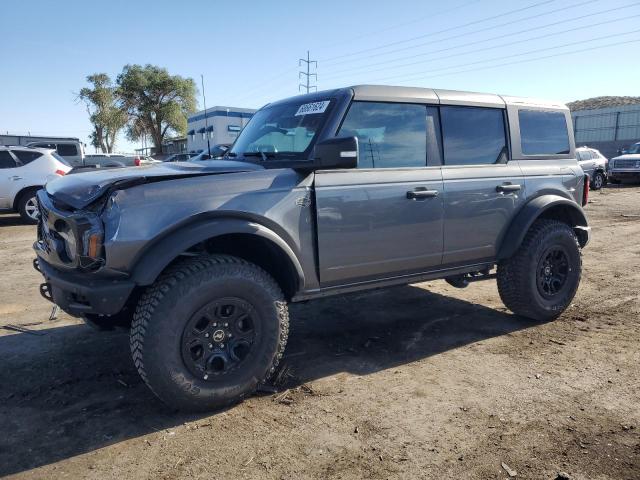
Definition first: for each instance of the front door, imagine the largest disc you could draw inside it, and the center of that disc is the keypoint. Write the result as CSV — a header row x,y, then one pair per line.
x,y
483,188
8,177
385,217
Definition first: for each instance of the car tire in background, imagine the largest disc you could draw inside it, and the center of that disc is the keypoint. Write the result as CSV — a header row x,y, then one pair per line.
x,y
598,181
540,280
27,206
209,332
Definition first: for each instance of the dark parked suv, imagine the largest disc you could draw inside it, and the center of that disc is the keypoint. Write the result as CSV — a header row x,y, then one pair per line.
x,y
321,194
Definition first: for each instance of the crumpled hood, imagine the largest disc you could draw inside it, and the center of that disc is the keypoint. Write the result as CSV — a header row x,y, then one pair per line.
x,y
81,189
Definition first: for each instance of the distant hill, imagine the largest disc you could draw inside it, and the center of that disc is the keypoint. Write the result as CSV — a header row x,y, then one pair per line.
x,y
602,102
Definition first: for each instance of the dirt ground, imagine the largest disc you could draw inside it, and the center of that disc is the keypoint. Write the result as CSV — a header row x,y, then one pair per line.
x,y
422,381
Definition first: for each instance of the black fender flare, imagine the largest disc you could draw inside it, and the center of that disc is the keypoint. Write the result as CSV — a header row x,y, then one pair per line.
x,y
159,255
534,209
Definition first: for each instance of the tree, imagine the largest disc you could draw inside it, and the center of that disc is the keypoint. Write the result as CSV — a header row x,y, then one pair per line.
x,y
156,102
105,113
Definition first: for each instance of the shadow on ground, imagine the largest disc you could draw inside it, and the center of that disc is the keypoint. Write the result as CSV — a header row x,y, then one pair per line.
x,y
11,220
78,390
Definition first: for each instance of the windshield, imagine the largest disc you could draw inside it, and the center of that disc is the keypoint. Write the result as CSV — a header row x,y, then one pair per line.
x,y
282,131
634,148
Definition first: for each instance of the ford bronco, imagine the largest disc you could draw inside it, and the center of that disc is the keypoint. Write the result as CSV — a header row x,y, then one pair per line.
x,y
321,194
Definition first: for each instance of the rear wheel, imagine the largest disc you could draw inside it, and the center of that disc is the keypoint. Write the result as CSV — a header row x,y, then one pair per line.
x,y
542,278
28,206
208,332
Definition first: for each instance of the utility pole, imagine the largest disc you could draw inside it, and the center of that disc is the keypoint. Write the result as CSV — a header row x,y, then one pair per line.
x,y
206,123
307,74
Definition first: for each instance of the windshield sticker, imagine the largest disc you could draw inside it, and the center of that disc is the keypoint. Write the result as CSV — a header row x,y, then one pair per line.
x,y
310,108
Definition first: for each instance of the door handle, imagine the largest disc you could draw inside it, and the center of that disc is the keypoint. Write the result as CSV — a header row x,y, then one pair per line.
x,y
419,194
15,177
508,188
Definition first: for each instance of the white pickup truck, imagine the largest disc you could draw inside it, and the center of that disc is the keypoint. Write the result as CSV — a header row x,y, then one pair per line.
x,y
73,152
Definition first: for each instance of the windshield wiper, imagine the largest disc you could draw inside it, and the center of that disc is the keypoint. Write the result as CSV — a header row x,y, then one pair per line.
x,y
264,155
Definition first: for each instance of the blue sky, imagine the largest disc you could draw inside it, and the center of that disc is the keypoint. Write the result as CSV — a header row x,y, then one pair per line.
x,y
248,51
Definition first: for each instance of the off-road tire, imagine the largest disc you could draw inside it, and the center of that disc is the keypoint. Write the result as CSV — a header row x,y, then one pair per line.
x,y
163,313
24,200
517,276
598,181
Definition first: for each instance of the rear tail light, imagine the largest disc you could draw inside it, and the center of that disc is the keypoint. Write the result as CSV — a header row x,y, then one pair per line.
x,y
136,161
585,191
61,172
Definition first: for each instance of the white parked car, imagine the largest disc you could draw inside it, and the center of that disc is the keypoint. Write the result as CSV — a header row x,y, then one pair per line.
x,y
594,164
24,171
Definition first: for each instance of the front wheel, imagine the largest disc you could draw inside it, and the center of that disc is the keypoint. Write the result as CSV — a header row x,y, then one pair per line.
x,y
598,181
208,332
542,277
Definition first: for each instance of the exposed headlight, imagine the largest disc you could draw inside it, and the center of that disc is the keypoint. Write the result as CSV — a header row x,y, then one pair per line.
x,y
70,246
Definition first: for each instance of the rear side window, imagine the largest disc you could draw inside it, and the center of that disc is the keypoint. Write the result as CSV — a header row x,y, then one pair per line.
x,y
390,135
45,145
67,149
473,135
6,160
543,133
26,156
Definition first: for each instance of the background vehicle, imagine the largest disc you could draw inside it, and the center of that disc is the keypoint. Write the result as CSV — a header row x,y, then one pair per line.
x,y
180,157
24,171
117,160
217,151
594,164
71,150
330,193
626,166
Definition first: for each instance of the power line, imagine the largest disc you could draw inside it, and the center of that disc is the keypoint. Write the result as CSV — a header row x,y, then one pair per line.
x,y
493,17
421,74
467,52
307,74
398,25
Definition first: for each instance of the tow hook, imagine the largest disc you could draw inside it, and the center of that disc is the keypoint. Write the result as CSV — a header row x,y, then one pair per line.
x,y
45,291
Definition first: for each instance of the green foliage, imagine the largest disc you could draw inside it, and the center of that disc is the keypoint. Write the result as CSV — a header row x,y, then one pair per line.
x,y
156,102
105,112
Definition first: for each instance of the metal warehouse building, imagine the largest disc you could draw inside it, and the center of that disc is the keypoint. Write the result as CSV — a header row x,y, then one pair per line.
x,y
218,124
608,128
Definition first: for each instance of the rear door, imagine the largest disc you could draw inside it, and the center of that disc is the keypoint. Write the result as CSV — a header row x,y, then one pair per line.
x,y
483,188
385,217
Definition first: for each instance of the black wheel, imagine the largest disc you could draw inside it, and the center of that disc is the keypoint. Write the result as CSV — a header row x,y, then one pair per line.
x,y
208,332
598,181
541,279
28,206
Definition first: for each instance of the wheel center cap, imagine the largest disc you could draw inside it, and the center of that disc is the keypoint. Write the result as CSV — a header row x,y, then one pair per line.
x,y
218,335
547,270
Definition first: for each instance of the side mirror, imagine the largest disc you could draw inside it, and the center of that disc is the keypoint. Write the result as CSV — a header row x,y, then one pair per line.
x,y
341,152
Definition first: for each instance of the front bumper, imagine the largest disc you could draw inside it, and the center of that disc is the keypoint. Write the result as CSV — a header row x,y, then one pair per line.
x,y
81,293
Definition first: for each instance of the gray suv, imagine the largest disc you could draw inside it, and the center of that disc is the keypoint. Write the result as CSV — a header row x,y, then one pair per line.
x,y
321,194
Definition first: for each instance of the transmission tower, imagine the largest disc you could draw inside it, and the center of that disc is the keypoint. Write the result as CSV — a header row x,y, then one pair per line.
x,y
307,75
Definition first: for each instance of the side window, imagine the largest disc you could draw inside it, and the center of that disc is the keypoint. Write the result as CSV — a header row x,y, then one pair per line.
x,y
390,135
473,135
67,149
26,156
6,160
543,132
45,145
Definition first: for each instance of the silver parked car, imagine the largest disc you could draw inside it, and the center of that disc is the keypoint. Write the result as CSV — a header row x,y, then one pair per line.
x,y
594,164
321,194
